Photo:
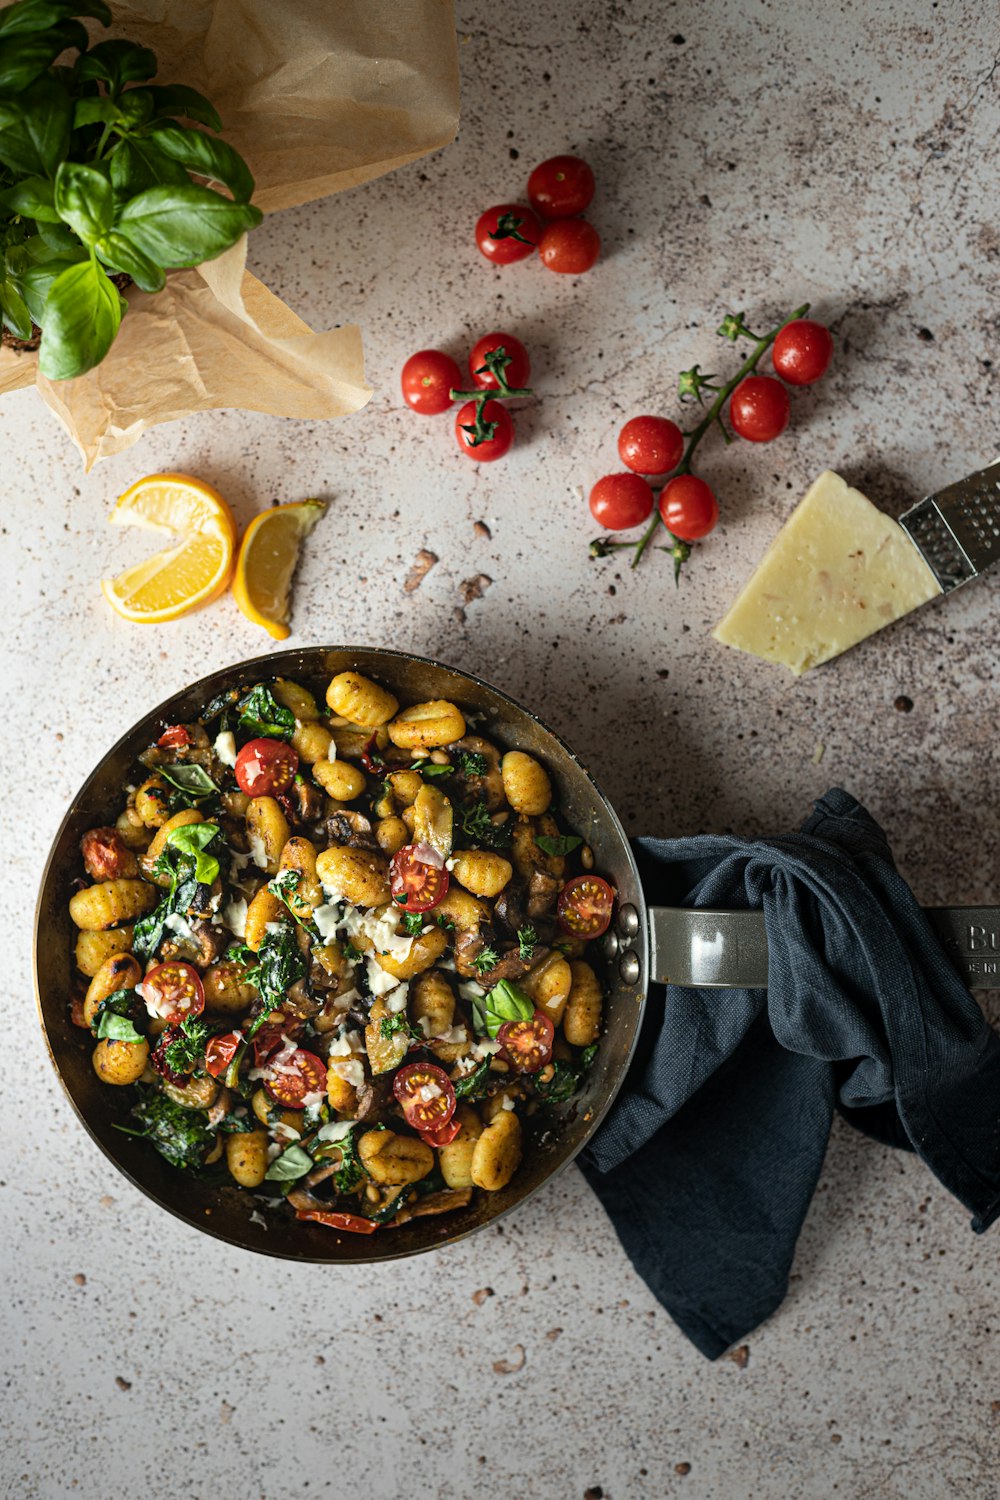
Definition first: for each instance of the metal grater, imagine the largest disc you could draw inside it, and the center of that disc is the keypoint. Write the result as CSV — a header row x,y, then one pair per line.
x,y
957,531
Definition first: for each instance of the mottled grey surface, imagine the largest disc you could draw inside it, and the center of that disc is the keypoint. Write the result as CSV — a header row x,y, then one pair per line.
x,y
749,155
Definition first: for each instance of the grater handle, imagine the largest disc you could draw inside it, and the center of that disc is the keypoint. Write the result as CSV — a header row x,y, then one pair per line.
x,y
957,530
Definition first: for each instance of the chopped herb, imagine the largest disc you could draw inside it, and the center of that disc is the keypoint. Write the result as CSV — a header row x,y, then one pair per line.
x,y
180,1135
504,1002
413,923
390,1025
352,954
471,763
239,953
293,1163
444,921
486,960
478,827
260,715
186,1053
473,1085
564,844
527,942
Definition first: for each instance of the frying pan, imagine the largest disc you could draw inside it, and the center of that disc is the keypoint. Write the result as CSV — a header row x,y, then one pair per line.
x,y
223,1211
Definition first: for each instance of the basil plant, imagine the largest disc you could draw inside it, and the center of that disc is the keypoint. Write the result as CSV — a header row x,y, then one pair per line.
x,y
96,180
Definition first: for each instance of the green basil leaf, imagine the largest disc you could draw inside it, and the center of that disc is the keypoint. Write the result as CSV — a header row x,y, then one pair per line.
x,y
97,111
117,1028
136,107
32,198
60,243
83,313
565,844
178,99
473,1085
35,129
505,1002
39,15
14,312
293,1163
194,840
136,166
206,156
117,63
185,225
116,251
24,58
36,282
190,777
84,200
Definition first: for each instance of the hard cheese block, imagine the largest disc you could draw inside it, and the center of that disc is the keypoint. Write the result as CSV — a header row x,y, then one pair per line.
x,y
838,570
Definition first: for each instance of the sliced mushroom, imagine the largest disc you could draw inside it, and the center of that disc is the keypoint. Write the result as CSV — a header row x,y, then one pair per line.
x,y
488,788
542,892
352,829
435,1203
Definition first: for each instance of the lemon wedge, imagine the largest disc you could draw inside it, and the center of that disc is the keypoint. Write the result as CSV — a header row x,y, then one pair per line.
x,y
267,558
183,577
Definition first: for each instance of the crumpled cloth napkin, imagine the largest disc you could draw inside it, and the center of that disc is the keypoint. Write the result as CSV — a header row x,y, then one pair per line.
x,y
709,1157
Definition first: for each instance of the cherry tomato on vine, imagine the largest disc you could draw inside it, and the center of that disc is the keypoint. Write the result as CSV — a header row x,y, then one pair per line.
x,y
425,1095
174,738
173,991
265,767
428,379
570,247
298,1076
802,351
759,408
561,187
492,447
416,885
352,1223
651,445
220,1052
516,374
619,501
688,507
585,905
527,1045
507,233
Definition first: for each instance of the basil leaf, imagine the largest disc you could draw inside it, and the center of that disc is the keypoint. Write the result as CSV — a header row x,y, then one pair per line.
x,y
565,844
136,108
24,58
84,199
35,129
293,1163
136,166
115,251
430,770
117,1028
32,199
97,111
505,1002
83,312
58,241
37,280
117,63
473,1085
206,156
194,840
261,714
14,312
185,225
178,99
189,777
38,15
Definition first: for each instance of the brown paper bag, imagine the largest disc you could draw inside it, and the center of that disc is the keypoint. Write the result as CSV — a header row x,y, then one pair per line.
x,y
317,95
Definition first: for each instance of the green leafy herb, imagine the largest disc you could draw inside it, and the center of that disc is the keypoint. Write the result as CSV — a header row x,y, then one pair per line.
x,y
293,1163
350,1172
191,784
186,1053
285,886
442,920
352,954
119,1015
486,960
117,1028
147,935
194,840
238,1122
239,953
260,715
478,827
504,1002
471,763
563,844
430,769
389,1210
413,923
390,1025
527,942
280,964
180,1135
567,1078
473,1085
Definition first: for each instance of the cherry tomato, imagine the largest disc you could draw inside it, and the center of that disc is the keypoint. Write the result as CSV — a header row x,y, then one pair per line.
x,y
570,247
174,738
158,1056
105,856
370,758
516,374
303,1073
527,1045
425,1095
507,233
585,906
688,507
802,351
173,991
415,885
759,408
650,445
491,447
561,187
266,767
220,1052
268,1039
619,501
444,1134
353,1223
428,380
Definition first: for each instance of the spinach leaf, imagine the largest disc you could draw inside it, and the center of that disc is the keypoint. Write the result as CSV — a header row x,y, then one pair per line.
x,y
261,715
564,844
567,1078
350,1172
293,1163
180,1135
504,1002
126,1007
285,886
191,784
189,864
473,1085
391,1209
280,964
221,704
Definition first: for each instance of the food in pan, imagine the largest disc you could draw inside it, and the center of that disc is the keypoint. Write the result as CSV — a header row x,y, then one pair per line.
x,y
341,951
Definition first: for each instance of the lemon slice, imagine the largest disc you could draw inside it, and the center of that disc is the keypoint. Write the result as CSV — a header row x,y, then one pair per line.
x,y
180,578
266,562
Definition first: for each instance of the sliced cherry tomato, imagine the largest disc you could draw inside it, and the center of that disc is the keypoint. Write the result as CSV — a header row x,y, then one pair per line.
x,y
491,447
172,991
267,1040
444,1134
415,885
527,1045
370,758
428,380
507,233
301,1074
651,445
174,738
425,1095
759,408
802,351
516,374
220,1052
266,767
585,906
619,501
688,507
352,1223
570,247
158,1056
561,187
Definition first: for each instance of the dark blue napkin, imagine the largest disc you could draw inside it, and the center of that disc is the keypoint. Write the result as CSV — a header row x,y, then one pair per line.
x,y
709,1157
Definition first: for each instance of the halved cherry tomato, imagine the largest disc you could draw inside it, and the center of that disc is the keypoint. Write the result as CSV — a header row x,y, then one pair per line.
x,y
619,501
561,187
688,507
570,246
265,767
759,408
353,1223
492,447
302,1073
507,233
802,351
174,737
516,374
425,1094
585,906
527,1045
416,886
172,991
220,1052
443,1135
268,1039
651,445
428,380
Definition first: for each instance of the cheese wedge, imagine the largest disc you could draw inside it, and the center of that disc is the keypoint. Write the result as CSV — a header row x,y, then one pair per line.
x,y
838,570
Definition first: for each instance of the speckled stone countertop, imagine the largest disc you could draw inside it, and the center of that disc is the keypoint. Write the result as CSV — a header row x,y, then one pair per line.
x,y
749,155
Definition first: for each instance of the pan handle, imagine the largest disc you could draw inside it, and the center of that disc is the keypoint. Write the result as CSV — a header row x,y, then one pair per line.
x,y
727,950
